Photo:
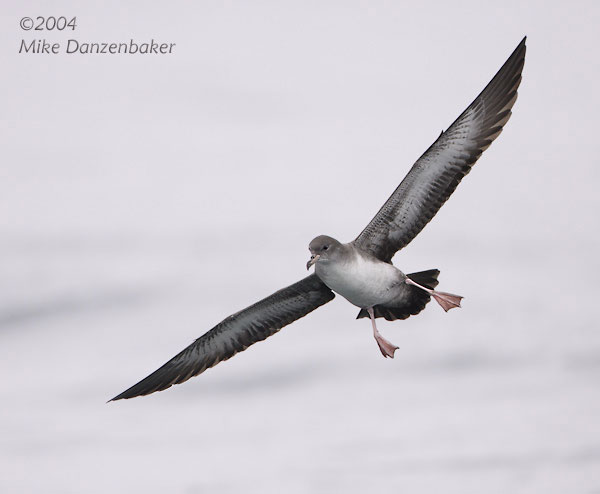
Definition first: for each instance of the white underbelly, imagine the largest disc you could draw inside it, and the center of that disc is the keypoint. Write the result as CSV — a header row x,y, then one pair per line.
x,y
362,282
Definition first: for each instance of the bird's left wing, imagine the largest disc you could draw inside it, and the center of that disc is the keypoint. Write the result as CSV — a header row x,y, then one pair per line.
x,y
435,175
236,333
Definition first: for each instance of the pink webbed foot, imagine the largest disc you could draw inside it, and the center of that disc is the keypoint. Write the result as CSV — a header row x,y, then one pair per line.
x,y
386,347
446,300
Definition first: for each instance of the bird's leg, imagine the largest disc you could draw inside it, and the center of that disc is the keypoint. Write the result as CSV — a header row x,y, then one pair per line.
x,y
387,348
446,300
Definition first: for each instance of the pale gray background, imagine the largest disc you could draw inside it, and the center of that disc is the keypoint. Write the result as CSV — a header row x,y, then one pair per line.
x,y
143,199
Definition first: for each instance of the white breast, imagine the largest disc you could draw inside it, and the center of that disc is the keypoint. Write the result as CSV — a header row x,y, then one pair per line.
x,y
364,282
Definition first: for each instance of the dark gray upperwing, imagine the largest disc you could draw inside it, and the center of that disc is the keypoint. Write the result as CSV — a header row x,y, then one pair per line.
x,y
435,175
236,333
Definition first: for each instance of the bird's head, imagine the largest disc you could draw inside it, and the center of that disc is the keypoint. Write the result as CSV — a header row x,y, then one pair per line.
x,y
322,249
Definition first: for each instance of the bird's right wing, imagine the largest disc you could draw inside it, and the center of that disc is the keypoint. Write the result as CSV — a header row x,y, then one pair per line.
x,y
236,333
435,175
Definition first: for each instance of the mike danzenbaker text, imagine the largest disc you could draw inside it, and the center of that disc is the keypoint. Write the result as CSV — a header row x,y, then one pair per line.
x,y
73,46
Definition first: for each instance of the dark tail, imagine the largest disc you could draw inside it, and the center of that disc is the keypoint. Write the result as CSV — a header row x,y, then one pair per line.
x,y
414,304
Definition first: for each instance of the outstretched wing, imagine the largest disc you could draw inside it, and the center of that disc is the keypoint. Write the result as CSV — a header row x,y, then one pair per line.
x,y
435,175
235,334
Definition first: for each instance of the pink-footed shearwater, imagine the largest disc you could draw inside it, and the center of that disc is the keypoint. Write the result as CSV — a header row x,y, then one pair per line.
x,y
361,271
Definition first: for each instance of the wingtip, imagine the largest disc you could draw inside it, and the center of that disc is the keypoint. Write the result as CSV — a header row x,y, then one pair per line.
x,y
521,48
127,394
123,396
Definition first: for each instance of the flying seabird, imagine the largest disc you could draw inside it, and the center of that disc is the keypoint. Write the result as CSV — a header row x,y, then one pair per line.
x,y
361,271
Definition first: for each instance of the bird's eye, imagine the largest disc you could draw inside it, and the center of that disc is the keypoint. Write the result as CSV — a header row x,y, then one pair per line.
x,y
325,247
